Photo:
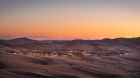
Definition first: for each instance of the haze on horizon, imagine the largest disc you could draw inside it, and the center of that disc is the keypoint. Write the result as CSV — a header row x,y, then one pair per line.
x,y
69,19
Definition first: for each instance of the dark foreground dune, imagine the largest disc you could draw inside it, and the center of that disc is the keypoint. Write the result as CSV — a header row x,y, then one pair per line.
x,y
19,66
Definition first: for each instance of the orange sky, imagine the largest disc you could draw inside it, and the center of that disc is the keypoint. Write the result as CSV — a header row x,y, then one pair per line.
x,y
70,20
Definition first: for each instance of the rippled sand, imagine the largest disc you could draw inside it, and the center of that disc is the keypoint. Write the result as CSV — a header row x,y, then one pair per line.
x,y
20,66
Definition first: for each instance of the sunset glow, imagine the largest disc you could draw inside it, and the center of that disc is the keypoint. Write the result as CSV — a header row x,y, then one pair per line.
x,y
68,19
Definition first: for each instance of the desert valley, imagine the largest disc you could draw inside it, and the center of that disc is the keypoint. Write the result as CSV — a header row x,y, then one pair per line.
x,y
107,58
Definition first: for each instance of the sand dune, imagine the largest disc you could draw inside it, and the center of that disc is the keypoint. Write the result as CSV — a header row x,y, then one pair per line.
x,y
78,66
18,66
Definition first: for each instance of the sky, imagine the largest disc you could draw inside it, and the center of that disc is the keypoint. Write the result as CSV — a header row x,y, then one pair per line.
x,y
69,19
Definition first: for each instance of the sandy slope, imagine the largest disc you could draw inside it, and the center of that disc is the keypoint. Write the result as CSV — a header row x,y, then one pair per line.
x,y
18,66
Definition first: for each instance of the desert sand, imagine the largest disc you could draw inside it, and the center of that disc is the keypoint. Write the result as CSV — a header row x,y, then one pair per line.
x,y
104,66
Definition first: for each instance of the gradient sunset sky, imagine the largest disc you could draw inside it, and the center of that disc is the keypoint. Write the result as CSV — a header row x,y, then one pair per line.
x,y
69,19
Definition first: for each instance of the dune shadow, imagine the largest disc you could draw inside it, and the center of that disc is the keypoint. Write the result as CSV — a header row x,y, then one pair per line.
x,y
39,75
97,74
31,74
65,76
2,65
35,61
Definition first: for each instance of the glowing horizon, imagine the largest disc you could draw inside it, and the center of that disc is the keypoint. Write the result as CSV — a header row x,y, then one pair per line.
x,y
67,19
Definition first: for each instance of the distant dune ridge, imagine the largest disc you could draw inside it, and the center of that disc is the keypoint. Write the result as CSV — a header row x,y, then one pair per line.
x,y
14,65
68,44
